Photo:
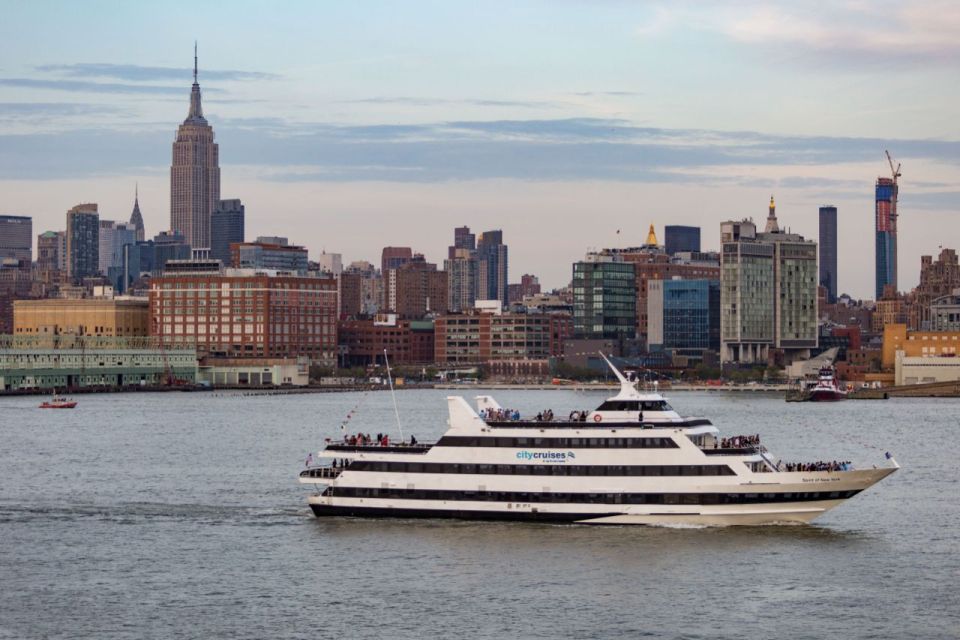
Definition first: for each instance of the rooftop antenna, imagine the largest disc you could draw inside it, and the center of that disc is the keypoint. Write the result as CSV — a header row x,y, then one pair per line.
x,y
194,62
393,394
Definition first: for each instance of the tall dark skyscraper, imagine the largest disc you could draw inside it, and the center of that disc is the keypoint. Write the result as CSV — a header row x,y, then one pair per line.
x,y
16,238
680,238
83,241
886,225
226,227
462,239
492,272
194,174
828,251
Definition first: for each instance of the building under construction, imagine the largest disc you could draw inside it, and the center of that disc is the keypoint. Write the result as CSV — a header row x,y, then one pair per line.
x,y
886,225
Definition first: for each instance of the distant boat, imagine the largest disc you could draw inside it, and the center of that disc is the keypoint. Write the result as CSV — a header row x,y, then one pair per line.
x,y
58,402
827,388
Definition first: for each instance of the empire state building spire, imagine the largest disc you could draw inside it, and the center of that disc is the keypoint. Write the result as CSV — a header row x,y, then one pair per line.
x,y
196,109
194,173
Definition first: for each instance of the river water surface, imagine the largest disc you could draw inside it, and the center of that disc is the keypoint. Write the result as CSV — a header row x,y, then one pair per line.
x,y
179,515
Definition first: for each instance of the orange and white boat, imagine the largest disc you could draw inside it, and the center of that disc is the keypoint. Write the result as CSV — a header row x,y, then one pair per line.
x,y
58,402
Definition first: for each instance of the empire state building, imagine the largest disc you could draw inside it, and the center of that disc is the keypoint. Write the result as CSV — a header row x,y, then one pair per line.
x,y
194,174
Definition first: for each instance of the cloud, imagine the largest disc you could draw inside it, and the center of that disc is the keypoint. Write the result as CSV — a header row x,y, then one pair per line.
x,y
873,33
852,34
51,109
935,200
137,73
83,86
438,102
611,94
542,150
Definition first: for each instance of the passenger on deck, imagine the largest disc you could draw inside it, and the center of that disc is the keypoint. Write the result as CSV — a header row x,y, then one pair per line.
x,y
413,440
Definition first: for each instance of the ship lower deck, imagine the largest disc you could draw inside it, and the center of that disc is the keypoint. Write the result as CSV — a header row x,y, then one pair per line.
x,y
601,514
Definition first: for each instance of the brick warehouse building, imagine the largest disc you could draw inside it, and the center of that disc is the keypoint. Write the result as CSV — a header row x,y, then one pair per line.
x,y
480,338
245,313
406,341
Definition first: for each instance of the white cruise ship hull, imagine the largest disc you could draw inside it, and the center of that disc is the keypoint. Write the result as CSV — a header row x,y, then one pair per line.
x,y
797,497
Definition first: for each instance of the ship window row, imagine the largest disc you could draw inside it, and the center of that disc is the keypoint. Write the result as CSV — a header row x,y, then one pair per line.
x,y
635,405
542,469
561,443
397,493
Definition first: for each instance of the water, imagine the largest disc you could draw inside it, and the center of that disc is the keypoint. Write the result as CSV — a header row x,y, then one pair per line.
x,y
179,515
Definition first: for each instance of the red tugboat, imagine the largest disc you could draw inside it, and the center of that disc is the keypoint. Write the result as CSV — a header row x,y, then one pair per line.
x,y
827,388
58,402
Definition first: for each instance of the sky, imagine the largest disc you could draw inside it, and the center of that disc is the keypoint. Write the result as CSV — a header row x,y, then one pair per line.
x,y
570,125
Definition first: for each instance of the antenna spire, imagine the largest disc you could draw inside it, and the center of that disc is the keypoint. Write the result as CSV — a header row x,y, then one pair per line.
x,y
194,61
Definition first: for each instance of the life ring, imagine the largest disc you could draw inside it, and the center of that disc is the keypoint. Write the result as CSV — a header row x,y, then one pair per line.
x,y
597,418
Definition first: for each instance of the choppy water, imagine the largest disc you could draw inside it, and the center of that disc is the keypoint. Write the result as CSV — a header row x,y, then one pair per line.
x,y
179,515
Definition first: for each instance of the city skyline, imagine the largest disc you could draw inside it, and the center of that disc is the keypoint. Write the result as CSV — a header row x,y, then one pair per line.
x,y
393,137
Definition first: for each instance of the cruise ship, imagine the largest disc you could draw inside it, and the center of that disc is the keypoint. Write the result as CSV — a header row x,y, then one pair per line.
x,y
632,460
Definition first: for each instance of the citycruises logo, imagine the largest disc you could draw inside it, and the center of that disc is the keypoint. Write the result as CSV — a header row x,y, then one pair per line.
x,y
546,456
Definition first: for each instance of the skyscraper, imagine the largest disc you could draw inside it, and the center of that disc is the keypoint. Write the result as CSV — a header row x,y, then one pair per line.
x,y
828,251
52,251
16,238
681,238
492,272
194,174
83,241
886,226
768,295
226,227
112,238
462,239
136,218
604,298
461,268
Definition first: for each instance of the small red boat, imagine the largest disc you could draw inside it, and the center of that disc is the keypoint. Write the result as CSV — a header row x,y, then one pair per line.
x,y
827,388
58,402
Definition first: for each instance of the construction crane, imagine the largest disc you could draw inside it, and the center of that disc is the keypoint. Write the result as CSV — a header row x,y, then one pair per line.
x,y
895,172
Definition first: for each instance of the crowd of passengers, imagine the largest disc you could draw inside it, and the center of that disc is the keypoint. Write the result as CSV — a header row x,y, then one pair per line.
x,y
510,415
383,440
816,466
738,442
502,415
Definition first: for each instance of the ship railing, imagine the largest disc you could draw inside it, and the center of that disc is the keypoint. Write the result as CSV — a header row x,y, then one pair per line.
x,y
420,447
733,451
328,473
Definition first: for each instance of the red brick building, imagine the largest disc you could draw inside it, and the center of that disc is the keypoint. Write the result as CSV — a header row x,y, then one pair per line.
x,y
478,338
415,289
351,295
246,314
406,341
